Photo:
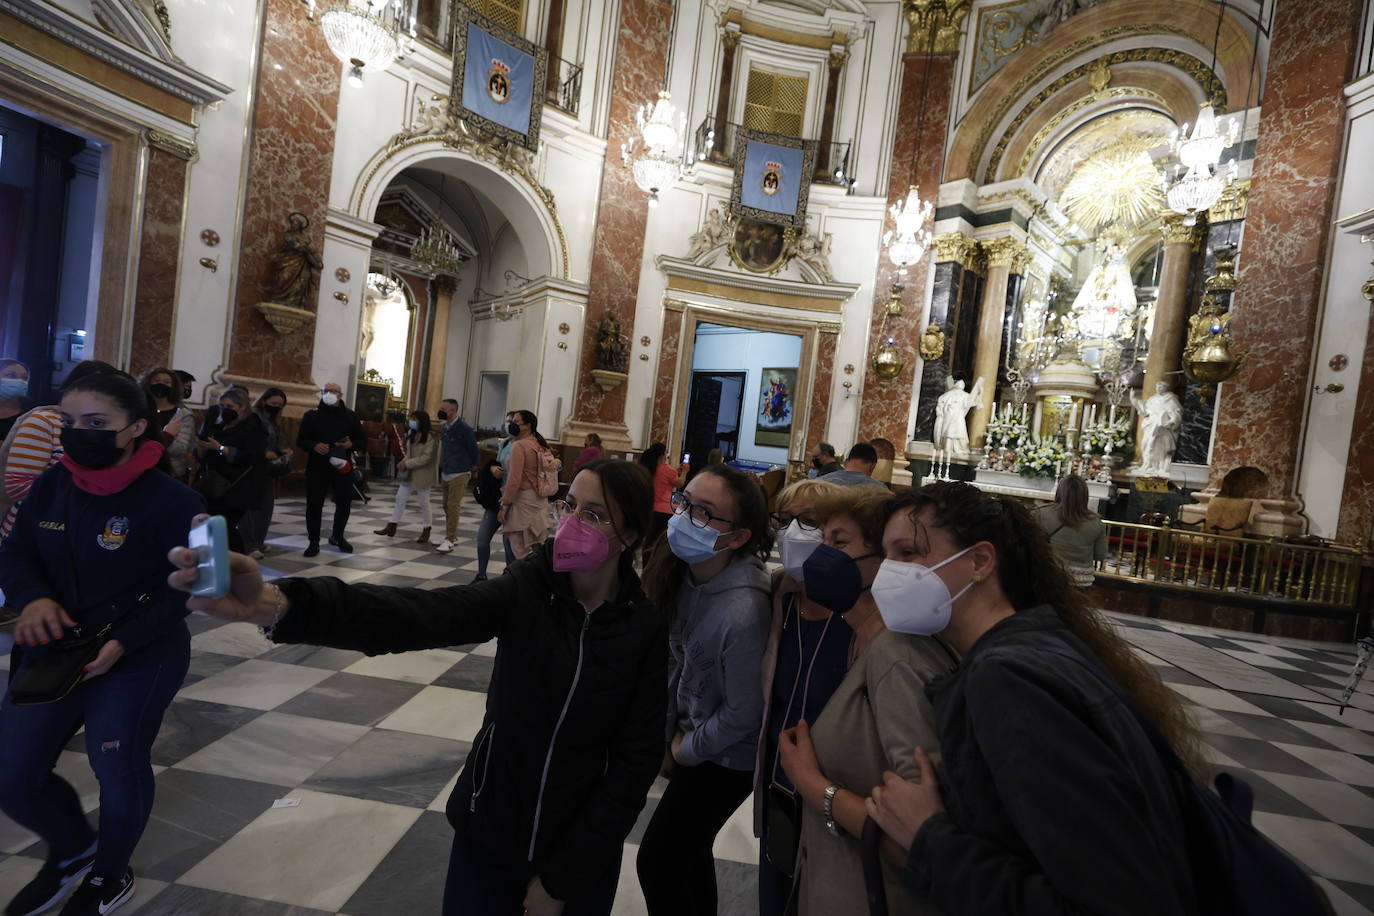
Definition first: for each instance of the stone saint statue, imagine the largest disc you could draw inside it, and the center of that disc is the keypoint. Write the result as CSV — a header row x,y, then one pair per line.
x,y
295,265
612,352
713,234
1161,417
951,412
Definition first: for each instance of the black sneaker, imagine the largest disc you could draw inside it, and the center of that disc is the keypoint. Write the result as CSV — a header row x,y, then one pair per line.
x,y
312,549
53,880
100,894
339,542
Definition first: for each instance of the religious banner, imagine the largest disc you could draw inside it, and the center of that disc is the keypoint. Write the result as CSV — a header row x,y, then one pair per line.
x,y
772,177
498,78
773,426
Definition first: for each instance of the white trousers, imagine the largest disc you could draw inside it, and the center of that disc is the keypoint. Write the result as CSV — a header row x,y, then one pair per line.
x,y
403,496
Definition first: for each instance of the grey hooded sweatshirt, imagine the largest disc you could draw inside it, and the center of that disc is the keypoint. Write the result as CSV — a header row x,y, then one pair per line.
x,y
717,638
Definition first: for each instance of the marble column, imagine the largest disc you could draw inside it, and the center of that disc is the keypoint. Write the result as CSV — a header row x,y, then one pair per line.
x,y
1171,307
443,289
1006,256
159,255
292,158
1357,505
729,40
930,75
1288,224
622,215
952,252
824,166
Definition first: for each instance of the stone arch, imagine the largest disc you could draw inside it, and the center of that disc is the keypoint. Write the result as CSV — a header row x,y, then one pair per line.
x,y
1179,32
528,206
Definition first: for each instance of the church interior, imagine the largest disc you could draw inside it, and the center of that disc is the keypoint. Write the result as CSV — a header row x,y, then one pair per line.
x,y
1001,241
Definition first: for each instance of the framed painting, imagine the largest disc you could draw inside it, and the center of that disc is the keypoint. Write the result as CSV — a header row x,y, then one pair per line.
x,y
758,246
498,78
773,421
370,402
772,177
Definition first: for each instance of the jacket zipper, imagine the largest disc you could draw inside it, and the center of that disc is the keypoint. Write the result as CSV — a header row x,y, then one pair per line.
x,y
548,759
486,765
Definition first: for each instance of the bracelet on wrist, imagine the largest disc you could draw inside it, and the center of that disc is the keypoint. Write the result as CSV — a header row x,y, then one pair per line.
x,y
828,807
278,612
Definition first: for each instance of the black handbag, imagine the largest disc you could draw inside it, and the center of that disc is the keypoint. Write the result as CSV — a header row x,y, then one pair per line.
x,y
61,665
783,815
214,486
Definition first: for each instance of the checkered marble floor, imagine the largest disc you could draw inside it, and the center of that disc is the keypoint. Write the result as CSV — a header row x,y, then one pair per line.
x,y
370,748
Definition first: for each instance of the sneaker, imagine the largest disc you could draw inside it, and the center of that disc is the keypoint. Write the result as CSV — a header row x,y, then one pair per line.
x,y
257,555
313,549
53,880
444,546
100,894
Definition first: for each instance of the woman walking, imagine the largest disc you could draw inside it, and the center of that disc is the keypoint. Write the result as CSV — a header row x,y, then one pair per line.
x,y
573,732
709,575
90,551
257,518
233,445
419,472
524,509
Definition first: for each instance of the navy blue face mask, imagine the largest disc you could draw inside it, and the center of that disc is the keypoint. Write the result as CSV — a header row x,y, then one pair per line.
x,y
832,578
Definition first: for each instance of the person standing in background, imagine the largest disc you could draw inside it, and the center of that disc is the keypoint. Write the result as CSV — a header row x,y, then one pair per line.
x,y
458,457
233,444
1076,532
257,519
14,390
175,423
591,451
666,480
524,511
329,428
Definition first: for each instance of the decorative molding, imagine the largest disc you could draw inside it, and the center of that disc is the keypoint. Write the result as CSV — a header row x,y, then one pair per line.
x,y
1043,134
182,149
1007,252
1200,73
170,75
444,285
688,276
946,17
1232,203
955,247
1175,232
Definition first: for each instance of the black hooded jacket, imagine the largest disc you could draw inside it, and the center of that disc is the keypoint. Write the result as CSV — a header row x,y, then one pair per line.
x,y
573,733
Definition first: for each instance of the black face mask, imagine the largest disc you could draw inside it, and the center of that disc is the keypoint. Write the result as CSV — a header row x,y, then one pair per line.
x,y
270,410
186,392
92,448
161,391
443,416
513,428
816,463
227,416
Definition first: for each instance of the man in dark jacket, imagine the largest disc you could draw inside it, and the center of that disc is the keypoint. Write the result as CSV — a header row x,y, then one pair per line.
x,y
328,431
459,457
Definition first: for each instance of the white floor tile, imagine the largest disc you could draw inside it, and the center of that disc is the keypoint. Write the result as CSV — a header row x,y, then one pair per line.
x,y
1333,800
1342,736
1337,764
1328,849
256,684
1216,698
241,639
420,667
442,712
275,748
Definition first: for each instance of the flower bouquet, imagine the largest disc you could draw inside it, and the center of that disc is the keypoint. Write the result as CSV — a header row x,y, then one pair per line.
x,y
1040,459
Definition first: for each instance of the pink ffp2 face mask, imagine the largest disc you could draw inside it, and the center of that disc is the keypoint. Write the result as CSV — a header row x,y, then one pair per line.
x,y
578,546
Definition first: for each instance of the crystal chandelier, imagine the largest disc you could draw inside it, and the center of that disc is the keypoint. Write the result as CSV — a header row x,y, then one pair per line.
x,y
368,35
908,241
654,157
437,251
1199,153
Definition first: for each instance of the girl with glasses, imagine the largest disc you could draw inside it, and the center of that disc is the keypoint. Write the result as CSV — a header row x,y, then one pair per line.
x,y
709,575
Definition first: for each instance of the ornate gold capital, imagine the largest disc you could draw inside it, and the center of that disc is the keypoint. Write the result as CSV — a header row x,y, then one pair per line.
x,y
956,247
730,37
182,149
1175,232
444,285
838,56
945,17
1231,205
1007,252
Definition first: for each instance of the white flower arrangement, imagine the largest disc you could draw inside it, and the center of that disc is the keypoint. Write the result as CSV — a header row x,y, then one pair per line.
x,y
1095,439
1040,459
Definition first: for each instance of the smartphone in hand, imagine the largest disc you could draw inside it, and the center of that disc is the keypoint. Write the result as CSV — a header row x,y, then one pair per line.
x,y
210,541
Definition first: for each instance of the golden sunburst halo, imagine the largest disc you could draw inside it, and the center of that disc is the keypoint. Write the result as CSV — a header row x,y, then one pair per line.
x,y
1117,188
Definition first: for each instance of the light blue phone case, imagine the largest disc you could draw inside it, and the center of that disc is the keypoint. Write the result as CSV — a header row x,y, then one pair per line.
x,y
210,540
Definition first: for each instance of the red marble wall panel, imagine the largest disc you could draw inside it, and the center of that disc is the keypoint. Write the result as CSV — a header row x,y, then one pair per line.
x,y
669,343
819,414
1356,520
622,214
164,200
1260,414
883,412
419,342
291,162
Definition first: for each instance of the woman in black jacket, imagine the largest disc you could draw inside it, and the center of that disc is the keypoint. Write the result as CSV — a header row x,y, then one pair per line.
x,y
573,733
233,445
1050,796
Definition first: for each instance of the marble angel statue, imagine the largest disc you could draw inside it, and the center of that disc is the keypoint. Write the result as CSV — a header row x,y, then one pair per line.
x,y
951,418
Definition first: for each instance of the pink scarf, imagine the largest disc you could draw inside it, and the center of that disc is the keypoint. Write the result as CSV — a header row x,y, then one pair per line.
x,y
107,481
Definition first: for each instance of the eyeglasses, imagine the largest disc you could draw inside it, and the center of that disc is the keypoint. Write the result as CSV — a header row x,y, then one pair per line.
x,y
697,515
585,515
783,519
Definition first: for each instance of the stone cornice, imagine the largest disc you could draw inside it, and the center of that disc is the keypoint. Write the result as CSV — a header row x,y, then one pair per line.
x,y
1007,252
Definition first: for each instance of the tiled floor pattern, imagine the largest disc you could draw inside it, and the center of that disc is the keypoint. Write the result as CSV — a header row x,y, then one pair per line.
x,y
371,746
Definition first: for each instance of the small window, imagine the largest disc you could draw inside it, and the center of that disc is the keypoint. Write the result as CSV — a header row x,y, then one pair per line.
x,y
509,13
775,103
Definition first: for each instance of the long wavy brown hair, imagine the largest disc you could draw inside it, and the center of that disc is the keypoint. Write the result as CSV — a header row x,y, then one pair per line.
x,y
1030,576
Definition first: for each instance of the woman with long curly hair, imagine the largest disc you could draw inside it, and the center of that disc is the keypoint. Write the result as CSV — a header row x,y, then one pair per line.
x,y
1051,797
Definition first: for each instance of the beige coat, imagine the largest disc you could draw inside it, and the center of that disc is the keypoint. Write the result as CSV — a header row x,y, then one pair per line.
x,y
873,723
422,461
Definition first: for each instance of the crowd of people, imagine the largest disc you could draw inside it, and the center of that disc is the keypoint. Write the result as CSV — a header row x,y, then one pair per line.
x,y
920,701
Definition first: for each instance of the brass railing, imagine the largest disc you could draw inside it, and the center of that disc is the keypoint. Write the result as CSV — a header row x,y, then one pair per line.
x,y
1250,567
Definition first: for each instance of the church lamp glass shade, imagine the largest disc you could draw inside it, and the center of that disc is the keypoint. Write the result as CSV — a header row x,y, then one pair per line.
x,y
908,241
653,156
1202,180
365,34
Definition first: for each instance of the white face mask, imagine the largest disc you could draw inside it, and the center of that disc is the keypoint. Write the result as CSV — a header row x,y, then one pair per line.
x,y
329,398
912,599
795,545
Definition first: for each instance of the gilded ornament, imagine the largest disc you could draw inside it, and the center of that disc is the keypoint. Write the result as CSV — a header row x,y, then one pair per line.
x,y
1007,252
1134,93
888,362
564,328
1099,78
955,247
209,238
1176,232
295,265
612,350
1223,279
945,17
176,146
932,343
1207,355
342,275
1232,203
1339,362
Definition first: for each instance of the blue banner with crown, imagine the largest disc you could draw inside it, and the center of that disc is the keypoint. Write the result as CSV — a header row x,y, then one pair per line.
x,y
772,177
498,78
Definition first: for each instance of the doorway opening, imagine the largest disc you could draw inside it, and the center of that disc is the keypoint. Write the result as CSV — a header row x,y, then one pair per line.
x,y
492,393
743,395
